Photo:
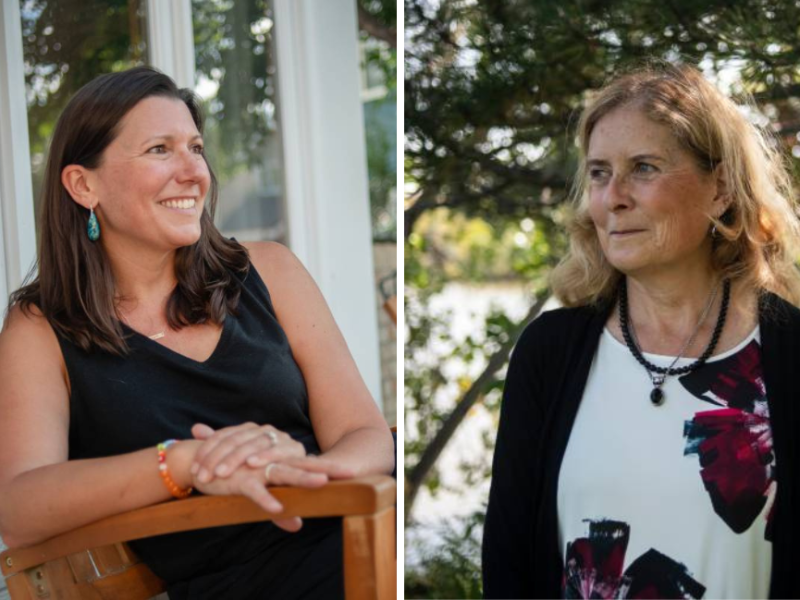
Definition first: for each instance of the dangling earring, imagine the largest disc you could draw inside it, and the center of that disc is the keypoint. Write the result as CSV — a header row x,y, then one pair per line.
x,y
713,231
93,227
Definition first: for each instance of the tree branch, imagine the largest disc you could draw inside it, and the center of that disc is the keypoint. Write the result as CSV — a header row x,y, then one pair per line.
x,y
475,393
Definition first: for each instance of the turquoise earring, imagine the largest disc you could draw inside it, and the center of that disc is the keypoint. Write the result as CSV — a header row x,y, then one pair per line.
x,y
93,227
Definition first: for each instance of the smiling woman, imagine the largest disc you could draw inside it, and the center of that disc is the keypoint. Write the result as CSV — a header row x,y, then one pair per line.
x,y
143,326
124,144
141,175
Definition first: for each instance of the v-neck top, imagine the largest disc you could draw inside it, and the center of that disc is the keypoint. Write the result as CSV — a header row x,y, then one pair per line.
x,y
122,404
219,348
670,501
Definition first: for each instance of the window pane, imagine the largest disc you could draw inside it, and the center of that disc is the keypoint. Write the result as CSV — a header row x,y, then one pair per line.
x,y
236,78
66,44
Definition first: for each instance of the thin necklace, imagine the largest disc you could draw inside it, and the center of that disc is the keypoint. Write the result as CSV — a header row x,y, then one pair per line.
x,y
659,378
156,336
658,374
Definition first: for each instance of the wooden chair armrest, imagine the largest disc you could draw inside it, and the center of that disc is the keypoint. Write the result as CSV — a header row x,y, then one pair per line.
x,y
363,496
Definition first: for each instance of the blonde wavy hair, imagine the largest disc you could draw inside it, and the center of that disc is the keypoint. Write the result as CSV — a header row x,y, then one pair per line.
x,y
758,235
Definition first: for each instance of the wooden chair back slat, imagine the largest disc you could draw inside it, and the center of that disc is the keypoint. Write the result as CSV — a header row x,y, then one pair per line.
x,y
93,563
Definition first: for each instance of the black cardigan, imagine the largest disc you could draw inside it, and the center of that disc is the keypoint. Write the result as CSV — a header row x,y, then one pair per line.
x,y
544,386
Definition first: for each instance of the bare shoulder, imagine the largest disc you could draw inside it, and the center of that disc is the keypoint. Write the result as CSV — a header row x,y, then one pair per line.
x,y
270,254
29,345
298,301
276,264
28,324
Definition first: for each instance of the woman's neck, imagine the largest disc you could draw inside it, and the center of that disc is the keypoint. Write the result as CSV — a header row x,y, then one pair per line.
x,y
143,280
671,305
666,312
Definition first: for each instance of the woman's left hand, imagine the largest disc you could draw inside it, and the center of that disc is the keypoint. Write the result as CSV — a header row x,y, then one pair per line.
x,y
226,450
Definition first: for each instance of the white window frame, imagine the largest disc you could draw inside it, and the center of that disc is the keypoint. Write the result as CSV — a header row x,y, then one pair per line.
x,y
17,225
324,148
170,39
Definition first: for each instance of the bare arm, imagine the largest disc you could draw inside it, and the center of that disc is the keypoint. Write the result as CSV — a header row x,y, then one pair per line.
x,y
347,423
52,499
41,493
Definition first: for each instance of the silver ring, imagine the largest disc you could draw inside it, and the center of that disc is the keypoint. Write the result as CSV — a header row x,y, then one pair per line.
x,y
273,437
267,469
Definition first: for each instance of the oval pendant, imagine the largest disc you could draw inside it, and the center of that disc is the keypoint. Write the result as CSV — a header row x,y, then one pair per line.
x,y
657,396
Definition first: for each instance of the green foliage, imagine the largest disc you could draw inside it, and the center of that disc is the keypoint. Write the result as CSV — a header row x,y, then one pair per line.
x,y
452,568
469,248
233,50
385,12
493,88
382,15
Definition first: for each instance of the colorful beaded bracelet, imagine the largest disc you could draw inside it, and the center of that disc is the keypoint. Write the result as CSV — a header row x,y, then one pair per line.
x,y
164,471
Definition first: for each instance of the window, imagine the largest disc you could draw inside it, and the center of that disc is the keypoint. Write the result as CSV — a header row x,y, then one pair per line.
x,y
63,50
236,78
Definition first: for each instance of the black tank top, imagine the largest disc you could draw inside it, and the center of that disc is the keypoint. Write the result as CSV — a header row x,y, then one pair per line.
x,y
124,404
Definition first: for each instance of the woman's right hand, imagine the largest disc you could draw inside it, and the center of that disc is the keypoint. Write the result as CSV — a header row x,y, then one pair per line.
x,y
252,483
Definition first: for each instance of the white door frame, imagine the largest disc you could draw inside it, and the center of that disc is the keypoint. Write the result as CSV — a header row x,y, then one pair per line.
x,y
325,162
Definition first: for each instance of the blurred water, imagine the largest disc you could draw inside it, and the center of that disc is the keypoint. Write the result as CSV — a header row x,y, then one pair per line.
x,y
469,304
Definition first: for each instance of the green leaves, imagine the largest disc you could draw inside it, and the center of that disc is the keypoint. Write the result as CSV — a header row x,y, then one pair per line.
x,y
451,569
525,67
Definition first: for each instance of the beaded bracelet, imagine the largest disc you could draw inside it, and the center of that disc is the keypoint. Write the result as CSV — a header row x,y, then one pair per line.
x,y
164,471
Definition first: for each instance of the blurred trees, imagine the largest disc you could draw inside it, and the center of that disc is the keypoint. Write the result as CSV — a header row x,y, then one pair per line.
x,y
492,87
493,90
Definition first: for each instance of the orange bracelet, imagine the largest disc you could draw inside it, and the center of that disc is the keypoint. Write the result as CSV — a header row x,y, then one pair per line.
x,y
164,471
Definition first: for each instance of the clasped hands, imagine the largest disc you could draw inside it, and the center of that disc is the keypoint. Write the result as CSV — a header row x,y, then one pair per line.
x,y
244,459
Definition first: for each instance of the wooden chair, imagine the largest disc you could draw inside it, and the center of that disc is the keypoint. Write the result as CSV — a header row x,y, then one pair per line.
x,y
94,563
388,288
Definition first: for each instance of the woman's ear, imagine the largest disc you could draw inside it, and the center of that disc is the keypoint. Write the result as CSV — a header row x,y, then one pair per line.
x,y
77,180
722,199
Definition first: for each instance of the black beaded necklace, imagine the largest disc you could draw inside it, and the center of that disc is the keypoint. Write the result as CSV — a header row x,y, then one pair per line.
x,y
657,395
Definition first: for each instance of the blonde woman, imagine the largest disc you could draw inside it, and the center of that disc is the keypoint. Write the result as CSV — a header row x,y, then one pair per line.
x,y
647,441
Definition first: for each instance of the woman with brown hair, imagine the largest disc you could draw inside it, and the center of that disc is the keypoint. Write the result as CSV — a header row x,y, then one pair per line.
x,y
145,326
647,438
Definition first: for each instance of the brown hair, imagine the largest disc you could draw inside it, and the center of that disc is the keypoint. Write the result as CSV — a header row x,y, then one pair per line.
x,y
74,287
759,234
